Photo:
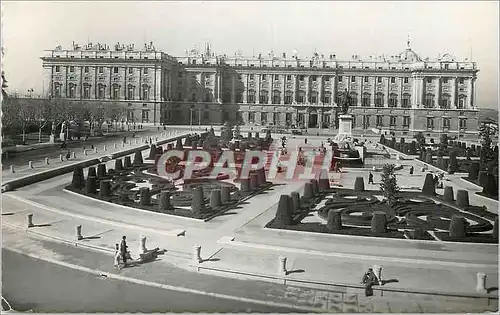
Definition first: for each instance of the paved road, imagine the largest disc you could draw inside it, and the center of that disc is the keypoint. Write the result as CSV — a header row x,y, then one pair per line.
x,y
44,287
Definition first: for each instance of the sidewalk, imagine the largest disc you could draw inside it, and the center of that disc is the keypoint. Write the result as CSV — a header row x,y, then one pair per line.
x,y
230,260
163,273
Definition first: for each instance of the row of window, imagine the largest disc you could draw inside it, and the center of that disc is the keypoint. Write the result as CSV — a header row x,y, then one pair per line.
x,y
462,122
86,69
101,91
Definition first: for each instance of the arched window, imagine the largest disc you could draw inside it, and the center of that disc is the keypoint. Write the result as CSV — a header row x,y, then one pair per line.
x,y
354,98
72,90
101,91
462,100
264,97
393,100
145,92
379,100
251,97
130,92
365,101
429,100
276,97
86,90
446,101
406,101
116,91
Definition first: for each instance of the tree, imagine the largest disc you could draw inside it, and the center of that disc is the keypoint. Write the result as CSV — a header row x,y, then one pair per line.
x,y
114,113
388,185
41,115
486,132
226,133
443,141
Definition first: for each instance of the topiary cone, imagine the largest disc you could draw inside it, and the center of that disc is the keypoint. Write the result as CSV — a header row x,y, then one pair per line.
x,y
315,186
152,152
481,178
164,203
462,198
490,187
198,202
458,226
101,171
105,188
473,171
245,184
215,198
334,222
261,177
78,180
91,185
379,222
118,165
178,144
254,181
283,214
448,194
225,194
324,181
145,196
127,162
295,200
429,187
91,172
308,191
359,184
138,158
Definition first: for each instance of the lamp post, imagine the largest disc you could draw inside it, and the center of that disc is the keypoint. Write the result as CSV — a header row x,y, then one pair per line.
x,y
199,118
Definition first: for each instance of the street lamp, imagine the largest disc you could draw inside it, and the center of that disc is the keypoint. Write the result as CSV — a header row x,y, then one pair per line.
x,y
191,118
199,118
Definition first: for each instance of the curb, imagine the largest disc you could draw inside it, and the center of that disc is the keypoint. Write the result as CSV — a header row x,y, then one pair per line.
x,y
162,286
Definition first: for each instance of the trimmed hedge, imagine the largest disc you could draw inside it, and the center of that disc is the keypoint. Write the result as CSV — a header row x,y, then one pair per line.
x,y
359,184
429,187
334,222
283,214
458,227
379,222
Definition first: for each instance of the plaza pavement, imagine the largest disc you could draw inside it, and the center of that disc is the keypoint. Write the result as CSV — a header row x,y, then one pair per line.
x,y
314,258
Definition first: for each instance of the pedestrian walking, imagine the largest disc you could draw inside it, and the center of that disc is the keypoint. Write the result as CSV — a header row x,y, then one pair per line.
x,y
369,279
370,178
305,140
123,250
116,262
411,170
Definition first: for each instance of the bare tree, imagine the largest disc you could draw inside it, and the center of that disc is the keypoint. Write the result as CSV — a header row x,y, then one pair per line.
x,y
41,115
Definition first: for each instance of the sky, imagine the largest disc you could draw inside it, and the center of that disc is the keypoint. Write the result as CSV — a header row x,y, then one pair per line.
x,y
329,27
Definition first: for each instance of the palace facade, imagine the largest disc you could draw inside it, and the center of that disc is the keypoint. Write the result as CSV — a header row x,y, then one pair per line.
x,y
403,93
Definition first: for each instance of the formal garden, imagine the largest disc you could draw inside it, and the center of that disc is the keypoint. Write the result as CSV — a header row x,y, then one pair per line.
x,y
136,183
451,156
388,213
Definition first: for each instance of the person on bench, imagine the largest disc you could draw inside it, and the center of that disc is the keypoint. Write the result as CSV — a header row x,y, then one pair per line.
x,y
369,280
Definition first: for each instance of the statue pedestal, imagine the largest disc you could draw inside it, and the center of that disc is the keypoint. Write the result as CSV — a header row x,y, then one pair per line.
x,y
345,128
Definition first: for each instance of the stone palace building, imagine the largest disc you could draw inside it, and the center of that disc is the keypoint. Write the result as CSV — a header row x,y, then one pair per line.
x,y
402,93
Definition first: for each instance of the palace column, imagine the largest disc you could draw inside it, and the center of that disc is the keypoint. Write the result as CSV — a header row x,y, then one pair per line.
x,y
307,88
257,90
470,93
270,93
374,91
245,91
334,90
387,91
294,94
438,93
233,92
320,90
454,93
400,94
283,89
320,119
